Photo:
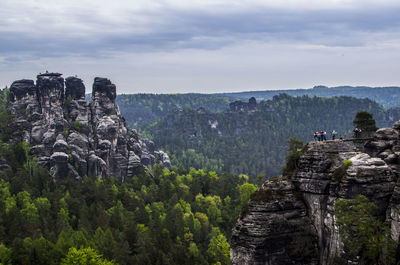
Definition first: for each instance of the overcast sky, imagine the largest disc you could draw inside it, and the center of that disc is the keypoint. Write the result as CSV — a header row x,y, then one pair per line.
x,y
166,46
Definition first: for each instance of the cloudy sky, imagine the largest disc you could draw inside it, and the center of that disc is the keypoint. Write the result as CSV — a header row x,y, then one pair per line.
x,y
165,46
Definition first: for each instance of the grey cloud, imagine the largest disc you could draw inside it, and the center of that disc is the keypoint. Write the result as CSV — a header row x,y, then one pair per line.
x,y
170,29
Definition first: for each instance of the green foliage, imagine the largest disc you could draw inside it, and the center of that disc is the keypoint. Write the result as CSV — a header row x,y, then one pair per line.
x,y
171,218
84,256
66,133
386,96
365,121
246,190
218,249
67,102
363,233
5,255
77,126
347,163
7,125
292,159
340,172
143,109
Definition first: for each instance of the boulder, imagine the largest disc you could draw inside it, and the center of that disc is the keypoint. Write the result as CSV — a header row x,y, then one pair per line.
x,y
387,134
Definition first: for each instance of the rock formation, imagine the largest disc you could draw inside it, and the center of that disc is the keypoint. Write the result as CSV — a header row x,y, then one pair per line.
x,y
284,211
72,137
240,106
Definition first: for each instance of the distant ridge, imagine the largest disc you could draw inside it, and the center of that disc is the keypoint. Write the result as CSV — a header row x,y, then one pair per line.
x,y
388,97
141,109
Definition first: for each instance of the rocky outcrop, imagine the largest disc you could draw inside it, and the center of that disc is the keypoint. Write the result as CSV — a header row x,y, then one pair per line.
x,y
320,181
240,106
274,229
72,137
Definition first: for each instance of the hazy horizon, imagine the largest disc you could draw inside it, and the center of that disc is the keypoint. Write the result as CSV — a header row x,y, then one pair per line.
x,y
170,46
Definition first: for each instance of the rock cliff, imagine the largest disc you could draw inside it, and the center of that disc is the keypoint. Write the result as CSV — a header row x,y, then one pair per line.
x,y
240,106
283,212
73,137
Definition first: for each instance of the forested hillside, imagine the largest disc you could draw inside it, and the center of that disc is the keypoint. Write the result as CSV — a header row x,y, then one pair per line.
x,y
161,217
142,109
255,142
388,97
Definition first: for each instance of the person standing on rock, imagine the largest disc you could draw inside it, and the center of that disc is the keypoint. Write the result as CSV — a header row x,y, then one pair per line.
x,y
334,134
357,132
325,136
315,136
321,134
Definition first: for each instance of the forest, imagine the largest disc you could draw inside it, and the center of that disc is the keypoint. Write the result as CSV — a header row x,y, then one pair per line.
x,y
388,97
162,217
173,218
142,109
255,142
159,216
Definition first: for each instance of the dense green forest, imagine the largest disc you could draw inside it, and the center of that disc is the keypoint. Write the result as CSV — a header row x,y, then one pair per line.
x,y
173,218
142,109
254,143
162,217
388,97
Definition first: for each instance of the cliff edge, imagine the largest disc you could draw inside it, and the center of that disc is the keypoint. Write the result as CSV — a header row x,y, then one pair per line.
x,y
291,221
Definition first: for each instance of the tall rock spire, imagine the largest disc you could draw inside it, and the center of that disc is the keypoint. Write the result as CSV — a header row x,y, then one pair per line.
x,y
72,137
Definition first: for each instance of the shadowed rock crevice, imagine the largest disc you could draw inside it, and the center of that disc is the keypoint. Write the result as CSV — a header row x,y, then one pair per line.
x,y
72,137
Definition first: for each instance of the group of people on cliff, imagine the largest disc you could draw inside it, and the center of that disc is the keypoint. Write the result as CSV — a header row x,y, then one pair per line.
x,y
322,136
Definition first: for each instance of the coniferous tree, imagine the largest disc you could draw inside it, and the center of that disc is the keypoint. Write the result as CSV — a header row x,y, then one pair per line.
x,y
365,121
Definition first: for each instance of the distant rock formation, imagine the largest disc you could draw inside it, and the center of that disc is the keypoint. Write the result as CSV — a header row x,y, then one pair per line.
x,y
73,137
240,106
291,221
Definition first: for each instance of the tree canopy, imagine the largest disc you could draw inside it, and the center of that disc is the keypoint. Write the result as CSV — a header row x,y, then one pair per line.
x,y
363,233
365,121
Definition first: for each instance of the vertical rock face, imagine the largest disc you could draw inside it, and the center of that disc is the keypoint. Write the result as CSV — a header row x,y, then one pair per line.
x,y
50,90
74,88
274,229
26,105
75,138
386,145
320,181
